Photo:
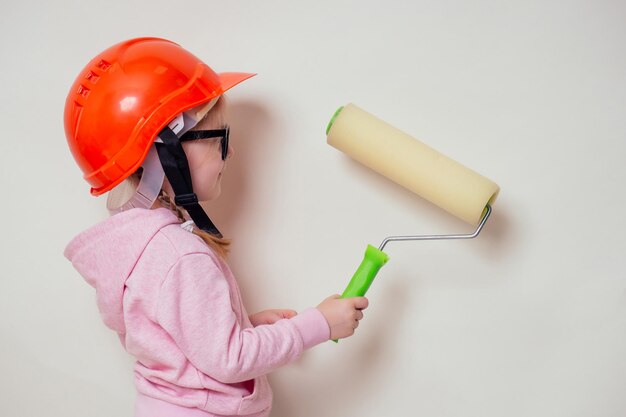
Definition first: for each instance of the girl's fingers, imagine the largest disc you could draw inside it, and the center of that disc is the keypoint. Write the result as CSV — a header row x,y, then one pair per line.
x,y
289,313
360,303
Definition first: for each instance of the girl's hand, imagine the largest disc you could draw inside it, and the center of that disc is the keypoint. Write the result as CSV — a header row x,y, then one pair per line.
x,y
342,314
271,316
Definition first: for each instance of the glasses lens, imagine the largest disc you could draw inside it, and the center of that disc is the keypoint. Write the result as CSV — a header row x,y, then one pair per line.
x,y
225,143
223,133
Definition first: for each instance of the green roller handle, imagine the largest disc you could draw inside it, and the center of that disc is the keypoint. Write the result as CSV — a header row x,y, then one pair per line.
x,y
362,279
366,272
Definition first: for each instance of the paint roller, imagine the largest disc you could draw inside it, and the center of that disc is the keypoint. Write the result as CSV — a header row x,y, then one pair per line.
x,y
415,166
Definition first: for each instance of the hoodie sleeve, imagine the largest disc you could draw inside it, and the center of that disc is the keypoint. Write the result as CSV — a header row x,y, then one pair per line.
x,y
194,307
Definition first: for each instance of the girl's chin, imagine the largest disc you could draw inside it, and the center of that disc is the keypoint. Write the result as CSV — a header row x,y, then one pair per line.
x,y
215,193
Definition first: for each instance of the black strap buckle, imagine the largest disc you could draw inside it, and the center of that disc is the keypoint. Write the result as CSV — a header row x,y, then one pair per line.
x,y
186,199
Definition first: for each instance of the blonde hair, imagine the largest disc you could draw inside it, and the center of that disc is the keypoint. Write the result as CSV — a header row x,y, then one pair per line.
x,y
219,245
215,118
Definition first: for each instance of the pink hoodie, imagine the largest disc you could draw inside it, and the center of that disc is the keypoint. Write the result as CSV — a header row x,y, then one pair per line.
x,y
177,309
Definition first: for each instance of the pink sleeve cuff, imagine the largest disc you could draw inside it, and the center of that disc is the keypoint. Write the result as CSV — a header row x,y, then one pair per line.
x,y
312,326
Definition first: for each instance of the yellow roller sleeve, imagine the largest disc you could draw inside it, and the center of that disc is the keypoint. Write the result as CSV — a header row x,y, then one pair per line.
x,y
412,164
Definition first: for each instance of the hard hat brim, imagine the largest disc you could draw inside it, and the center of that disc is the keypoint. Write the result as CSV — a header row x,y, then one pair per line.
x,y
230,79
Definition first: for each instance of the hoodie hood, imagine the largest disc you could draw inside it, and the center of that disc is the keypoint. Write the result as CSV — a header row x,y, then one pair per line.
x,y
106,254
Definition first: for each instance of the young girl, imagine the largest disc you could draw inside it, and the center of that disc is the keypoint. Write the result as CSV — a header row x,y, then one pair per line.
x,y
145,121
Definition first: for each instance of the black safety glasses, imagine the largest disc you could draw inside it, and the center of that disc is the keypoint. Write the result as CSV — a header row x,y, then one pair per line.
x,y
206,134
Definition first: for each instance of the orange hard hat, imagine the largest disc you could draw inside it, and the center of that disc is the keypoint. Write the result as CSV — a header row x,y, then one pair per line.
x,y
125,96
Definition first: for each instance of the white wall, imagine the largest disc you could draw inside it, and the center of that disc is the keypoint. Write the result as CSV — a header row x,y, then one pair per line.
x,y
527,320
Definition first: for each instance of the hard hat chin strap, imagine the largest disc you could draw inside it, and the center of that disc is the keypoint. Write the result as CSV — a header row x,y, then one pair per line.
x,y
176,168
